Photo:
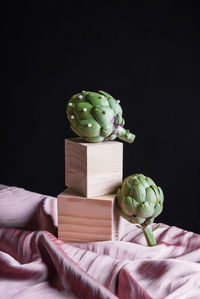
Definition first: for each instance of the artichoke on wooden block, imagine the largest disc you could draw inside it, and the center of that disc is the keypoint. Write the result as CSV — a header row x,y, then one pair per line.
x,y
97,116
140,201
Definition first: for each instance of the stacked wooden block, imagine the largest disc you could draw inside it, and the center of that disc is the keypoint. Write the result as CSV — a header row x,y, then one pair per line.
x,y
87,209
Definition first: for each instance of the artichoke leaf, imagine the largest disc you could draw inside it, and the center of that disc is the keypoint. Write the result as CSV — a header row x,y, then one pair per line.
x,y
103,114
143,181
105,93
125,189
155,189
157,210
138,192
118,119
73,121
149,221
132,219
145,210
76,98
119,192
76,130
107,130
161,195
150,181
123,122
94,139
81,115
119,199
135,205
139,220
111,137
150,196
133,180
82,105
126,180
115,106
127,205
89,128
96,99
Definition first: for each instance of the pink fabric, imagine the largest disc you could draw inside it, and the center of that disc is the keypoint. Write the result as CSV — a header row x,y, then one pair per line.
x,y
35,264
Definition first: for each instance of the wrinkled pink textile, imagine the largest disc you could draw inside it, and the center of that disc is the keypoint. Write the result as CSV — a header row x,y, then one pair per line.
x,y
35,264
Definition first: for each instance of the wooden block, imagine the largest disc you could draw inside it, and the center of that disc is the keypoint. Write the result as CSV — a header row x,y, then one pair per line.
x,y
93,169
88,219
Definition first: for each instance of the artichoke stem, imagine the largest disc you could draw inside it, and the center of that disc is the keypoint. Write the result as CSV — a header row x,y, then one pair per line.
x,y
149,236
124,134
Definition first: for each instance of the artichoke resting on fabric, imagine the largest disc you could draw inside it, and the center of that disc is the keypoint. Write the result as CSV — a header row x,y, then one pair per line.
x,y
97,116
140,201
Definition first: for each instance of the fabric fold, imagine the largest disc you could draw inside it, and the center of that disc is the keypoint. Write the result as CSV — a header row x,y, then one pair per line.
x,y
34,263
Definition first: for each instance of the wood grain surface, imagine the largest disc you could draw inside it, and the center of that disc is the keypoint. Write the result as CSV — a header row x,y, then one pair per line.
x,y
93,169
88,219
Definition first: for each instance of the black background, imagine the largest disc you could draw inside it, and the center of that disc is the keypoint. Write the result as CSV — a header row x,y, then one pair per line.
x,y
147,56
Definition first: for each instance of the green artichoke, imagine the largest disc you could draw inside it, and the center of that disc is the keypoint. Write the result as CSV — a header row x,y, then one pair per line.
x,y
140,201
97,116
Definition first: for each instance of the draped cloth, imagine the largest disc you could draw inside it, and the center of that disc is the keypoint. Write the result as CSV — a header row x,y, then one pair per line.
x,y
35,264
